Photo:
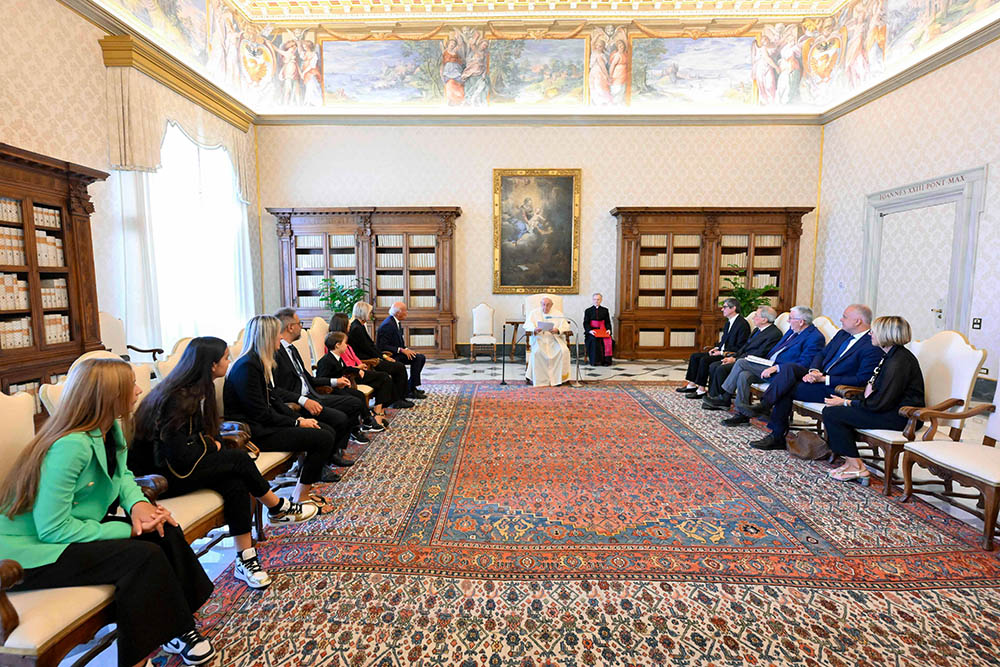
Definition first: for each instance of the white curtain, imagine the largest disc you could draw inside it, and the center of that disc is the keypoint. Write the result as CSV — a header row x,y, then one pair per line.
x,y
188,267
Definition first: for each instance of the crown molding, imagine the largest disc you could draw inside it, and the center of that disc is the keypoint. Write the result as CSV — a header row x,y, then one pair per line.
x,y
536,120
129,51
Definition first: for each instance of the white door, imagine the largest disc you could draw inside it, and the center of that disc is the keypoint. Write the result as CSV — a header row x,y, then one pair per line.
x,y
914,266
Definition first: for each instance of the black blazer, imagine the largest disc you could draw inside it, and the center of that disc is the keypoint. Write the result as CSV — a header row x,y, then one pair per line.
x,y
361,342
898,382
760,342
287,384
388,337
596,313
332,367
247,398
735,336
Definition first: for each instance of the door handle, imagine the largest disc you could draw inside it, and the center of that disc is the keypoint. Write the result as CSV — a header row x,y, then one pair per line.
x,y
936,310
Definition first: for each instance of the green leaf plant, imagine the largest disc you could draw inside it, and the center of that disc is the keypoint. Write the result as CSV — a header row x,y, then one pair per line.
x,y
750,298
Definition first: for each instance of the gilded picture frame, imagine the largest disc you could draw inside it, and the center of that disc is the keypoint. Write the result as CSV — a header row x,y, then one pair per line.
x,y
536,231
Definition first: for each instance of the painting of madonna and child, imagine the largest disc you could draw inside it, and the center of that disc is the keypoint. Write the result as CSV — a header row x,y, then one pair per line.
x,y
536,230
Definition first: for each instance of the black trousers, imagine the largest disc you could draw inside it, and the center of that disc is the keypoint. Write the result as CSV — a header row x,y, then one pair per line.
x,y
396,371
232,474
416,365
381,384
334,419
318,444
698,364
717,374
786,386
595,352
158,582
357,408
841,424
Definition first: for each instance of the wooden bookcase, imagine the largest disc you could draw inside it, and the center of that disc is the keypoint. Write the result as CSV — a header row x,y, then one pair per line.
x,y
673,264
406,254
48,298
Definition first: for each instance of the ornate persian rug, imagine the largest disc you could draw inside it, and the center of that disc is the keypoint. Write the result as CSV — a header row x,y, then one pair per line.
x,y
605,525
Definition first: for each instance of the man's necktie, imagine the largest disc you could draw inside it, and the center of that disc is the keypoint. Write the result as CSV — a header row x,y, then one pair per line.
x,y
300,368
840,353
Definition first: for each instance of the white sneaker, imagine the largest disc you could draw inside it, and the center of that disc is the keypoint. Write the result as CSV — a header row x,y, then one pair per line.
x,y
293,513
192,647
247,568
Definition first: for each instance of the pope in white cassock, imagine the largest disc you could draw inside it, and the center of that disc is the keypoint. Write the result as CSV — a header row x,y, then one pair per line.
x,y
548,361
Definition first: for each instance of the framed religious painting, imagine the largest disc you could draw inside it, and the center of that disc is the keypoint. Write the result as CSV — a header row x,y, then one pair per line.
x,y
536,231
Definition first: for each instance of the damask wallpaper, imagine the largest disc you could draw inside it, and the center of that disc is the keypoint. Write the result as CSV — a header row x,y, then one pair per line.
x,y
633,166
900,139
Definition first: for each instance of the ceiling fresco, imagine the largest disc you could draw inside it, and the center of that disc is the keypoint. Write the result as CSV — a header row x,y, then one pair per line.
x,y
670,58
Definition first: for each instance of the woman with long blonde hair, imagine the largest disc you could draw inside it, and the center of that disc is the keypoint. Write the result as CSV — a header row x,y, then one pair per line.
x,y
57,519
248,397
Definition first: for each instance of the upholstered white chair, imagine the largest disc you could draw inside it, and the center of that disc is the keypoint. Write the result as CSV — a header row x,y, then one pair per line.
x,y
236,347
826,327
302,345
482,331
143,374
971,464
782,321
317,338
17,413
50,395
163,367
113,337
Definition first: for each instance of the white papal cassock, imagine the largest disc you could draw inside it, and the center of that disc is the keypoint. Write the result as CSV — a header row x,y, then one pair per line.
x,y
548,362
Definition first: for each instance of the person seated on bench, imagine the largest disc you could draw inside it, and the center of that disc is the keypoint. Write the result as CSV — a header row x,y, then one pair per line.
x,y
366,350
762,339
896,382
177,436
735,333
274,427
340,361
58,520
849,358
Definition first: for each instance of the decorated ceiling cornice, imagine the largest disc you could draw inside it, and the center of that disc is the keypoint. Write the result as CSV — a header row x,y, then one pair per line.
x,y
451,10
748,59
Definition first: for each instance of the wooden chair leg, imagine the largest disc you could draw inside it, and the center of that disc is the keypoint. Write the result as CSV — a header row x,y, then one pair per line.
x,y
258,519
892,453
908,462
990,515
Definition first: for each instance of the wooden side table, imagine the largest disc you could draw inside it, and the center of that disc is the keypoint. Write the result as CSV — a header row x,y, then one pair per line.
x,y
514,324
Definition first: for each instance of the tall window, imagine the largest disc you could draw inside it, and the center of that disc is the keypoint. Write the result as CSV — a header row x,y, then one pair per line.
x,y
198,241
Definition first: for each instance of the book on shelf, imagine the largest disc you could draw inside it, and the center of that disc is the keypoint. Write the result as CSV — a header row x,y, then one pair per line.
x,y
687,241
309,241
683,302
47,217
56,328
31,388
423,281
653,240
309,261
768,240
54,293
423,301
14,293
686,260
389,282
385,301
10,210
651,338
423,240
16,333
735,240
658,261
422,260
342,260
12,247
767,261
388,260
421,340
49,249
655,281
682,338
389,240
341,241
652,301
309,283
684,282
310,302
739,260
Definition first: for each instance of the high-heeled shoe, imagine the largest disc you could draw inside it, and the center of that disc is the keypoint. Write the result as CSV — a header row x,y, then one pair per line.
x,y
863,477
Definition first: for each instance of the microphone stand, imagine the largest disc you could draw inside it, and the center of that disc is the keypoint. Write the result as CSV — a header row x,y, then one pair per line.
x,y
503,355
576,382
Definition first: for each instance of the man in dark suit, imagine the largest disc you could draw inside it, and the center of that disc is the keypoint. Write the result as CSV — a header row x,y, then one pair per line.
x,y
594,318
764,337
389,338
365,348
799,345
294,383
849,358
735,333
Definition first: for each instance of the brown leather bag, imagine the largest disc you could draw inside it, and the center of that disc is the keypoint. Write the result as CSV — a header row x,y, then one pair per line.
x,y
236,435
807,445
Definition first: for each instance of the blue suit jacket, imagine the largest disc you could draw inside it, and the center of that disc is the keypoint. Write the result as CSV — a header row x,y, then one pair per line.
x,y
389,338
800,349
857,364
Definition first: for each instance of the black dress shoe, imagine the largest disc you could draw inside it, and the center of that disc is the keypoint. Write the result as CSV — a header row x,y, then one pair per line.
x,y
359,437
695,395
416,393
714,405
329,476
758,409
767,443
686,390
402,404
372,427
339,460
736,420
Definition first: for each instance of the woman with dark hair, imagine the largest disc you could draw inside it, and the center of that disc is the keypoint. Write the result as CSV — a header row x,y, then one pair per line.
x,y
57,507
176,435
896,382
347,363
366,350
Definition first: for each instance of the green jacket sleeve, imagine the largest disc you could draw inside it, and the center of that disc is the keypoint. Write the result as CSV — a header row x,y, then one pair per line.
x,y
65,461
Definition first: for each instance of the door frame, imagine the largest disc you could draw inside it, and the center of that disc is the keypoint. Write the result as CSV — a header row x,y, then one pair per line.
x,y
967,190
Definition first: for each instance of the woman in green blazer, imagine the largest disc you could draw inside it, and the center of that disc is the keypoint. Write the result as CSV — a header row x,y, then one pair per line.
x,y
57,520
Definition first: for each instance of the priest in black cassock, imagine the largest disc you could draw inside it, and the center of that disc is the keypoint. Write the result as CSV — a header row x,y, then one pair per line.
x,y
597,324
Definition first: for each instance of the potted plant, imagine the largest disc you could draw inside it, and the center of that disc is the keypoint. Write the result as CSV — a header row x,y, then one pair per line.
x,y
340,298
750,298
